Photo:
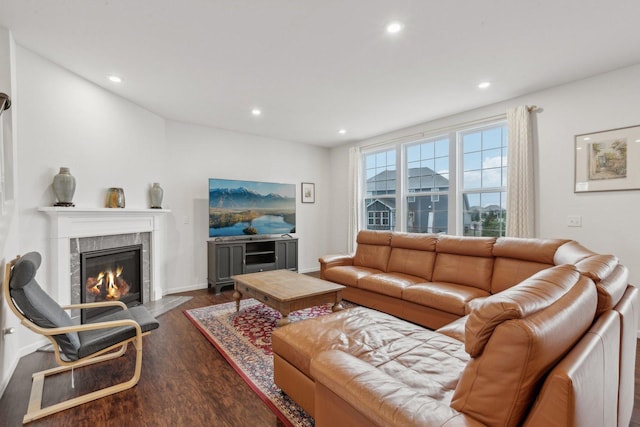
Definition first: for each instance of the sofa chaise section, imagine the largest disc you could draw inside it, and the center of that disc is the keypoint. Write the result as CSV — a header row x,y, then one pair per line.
x,y
486,380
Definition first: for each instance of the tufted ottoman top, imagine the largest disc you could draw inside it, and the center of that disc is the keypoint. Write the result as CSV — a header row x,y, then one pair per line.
x,y
420,358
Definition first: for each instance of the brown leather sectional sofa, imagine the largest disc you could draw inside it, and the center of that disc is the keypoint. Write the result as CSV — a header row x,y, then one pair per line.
x,y
467,331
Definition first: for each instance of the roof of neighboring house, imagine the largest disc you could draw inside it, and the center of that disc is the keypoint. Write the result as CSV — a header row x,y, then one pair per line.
x,y
388,203
420,179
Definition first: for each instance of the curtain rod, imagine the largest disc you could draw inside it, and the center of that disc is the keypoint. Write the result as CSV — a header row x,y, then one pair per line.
x,y
436,131
444,129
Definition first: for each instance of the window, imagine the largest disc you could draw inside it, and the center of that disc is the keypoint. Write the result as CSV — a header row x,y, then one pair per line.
x,y
484,182
453,183
380,199
427,176
379,219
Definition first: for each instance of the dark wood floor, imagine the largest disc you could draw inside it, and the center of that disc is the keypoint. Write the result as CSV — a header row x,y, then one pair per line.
x,y
184,382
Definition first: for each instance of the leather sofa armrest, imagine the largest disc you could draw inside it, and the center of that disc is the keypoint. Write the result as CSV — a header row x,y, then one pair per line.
x,y
353,390
329,261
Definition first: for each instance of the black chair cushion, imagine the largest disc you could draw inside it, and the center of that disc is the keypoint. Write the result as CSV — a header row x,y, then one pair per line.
x,y
96,340
41,309
38,306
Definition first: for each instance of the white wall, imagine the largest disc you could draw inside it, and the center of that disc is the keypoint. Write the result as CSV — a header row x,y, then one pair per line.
x,y
105,140
609,219
198,153
108,141
9,344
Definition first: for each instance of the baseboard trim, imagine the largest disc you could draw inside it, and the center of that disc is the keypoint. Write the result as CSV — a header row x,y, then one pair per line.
x,y
28,349
193,287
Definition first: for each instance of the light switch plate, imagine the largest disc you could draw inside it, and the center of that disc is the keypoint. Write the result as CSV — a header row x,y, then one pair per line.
x,y
574,221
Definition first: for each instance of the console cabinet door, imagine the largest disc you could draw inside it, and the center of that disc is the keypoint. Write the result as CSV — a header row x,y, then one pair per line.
x,y
229,260
287,254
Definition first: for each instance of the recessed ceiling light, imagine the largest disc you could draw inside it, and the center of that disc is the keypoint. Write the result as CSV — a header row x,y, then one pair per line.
x,y
484,85
586,138
115,79
256,112
342,131
637,140
394,27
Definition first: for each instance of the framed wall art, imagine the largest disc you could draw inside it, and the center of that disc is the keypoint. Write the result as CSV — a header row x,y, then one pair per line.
x,y
308,192
608,160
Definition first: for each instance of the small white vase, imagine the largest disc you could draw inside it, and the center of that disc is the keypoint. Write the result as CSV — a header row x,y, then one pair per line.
x,y
155,193
64,185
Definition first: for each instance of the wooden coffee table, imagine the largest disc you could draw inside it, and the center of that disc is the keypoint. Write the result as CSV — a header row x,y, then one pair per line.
x,y
286,291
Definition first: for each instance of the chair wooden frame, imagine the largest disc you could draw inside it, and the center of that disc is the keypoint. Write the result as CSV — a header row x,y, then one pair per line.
x,y
35,409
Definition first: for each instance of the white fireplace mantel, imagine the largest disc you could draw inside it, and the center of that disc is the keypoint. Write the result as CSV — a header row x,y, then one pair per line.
x,y
69,223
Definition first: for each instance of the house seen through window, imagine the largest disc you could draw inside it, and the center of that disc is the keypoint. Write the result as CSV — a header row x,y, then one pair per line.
x,y
453,183
380,198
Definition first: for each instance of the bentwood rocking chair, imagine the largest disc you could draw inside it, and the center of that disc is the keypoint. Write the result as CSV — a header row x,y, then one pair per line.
x,y
75,346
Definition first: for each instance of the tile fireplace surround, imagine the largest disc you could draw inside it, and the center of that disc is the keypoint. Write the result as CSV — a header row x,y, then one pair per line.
x,y
75,229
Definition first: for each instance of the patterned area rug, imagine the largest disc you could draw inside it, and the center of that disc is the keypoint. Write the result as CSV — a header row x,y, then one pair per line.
x,y
244,339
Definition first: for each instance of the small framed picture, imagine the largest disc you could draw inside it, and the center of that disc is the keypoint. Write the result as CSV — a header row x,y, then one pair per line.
x,y
308,192
608,160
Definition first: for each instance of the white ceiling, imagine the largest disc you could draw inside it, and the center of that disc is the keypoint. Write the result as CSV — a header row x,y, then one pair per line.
x,y
316,66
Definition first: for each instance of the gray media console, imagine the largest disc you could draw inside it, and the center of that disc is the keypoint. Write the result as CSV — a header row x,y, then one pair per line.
x,y
226,258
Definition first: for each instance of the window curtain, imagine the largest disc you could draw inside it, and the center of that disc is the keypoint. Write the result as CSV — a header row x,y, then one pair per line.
x,y
520,187
354,198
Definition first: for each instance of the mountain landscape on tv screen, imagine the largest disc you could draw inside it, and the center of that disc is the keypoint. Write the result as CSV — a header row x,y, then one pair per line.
x,y
243,198
237,211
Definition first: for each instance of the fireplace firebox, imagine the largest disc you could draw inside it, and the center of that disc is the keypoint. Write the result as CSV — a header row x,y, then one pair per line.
x,y
110,275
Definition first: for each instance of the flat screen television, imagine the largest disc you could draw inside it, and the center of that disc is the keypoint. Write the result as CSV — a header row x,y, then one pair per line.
x,y
251,208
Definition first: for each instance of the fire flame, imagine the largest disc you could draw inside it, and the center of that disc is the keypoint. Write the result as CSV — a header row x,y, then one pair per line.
x,y
107,285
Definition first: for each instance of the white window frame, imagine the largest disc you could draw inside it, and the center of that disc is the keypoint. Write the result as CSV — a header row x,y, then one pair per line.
x,y
461,191
455,193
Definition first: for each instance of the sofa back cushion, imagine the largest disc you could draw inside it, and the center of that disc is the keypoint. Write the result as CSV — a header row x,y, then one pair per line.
x,y
518,259
609,276
413,253
373,249
508,272
571,253
464,260
535,250
515,337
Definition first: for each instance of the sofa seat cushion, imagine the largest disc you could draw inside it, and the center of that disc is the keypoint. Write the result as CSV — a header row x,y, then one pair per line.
x,y
391,284
348,275
444,296
420,358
